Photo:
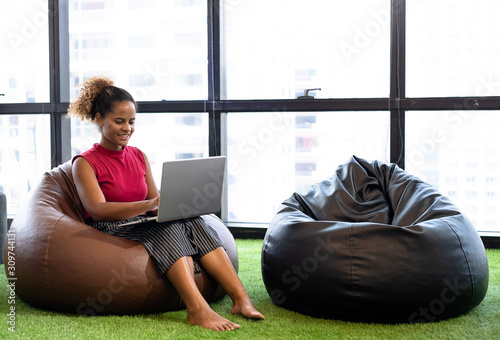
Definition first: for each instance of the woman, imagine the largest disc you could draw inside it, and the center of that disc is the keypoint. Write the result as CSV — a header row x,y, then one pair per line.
x,y
115,183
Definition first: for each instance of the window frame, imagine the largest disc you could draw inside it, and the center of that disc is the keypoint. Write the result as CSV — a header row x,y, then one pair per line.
x,y
397,103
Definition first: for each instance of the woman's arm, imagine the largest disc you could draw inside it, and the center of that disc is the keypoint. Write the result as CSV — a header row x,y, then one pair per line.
x,y
94,202
150,182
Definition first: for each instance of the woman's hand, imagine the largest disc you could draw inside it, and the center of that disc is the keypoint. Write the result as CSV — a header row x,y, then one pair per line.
x,y
154,206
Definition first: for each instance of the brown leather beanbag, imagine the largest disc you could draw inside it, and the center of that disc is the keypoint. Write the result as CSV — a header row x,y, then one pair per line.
x,y
64,265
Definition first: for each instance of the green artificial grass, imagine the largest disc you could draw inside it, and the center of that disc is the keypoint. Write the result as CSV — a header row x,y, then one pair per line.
x,y
482,322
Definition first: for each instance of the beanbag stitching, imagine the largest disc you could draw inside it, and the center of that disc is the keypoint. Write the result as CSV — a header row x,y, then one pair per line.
x,y
466,259
351,260
46,258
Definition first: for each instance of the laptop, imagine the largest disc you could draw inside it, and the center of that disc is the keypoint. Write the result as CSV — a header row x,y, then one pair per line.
x,y
189,188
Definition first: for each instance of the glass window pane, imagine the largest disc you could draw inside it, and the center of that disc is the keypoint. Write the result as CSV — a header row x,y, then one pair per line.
x,y
276,49
162,136
271,155
156,50
24,56
452,48
24,155
458,152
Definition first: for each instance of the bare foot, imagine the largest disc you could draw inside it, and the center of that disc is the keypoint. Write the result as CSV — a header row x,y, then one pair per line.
x,y
207,318
246,308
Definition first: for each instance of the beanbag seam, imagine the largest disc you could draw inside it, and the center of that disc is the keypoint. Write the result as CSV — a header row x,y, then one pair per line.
x,y
46,259
467,261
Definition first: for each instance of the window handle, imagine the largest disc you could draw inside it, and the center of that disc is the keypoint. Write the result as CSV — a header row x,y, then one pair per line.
x,y
306,94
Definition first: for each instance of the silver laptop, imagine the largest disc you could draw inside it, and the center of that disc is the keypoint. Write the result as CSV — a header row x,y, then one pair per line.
x,y
189,188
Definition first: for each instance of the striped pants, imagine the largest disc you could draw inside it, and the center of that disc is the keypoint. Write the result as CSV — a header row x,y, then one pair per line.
x,y
167,242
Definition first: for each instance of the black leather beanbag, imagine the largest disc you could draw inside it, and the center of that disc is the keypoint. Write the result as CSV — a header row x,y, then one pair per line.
x,y
373,244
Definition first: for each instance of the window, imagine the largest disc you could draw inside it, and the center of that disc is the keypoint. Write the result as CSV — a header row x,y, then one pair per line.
x,y
453,48
276,49
24,155
267,165
146,53
431,135
24,60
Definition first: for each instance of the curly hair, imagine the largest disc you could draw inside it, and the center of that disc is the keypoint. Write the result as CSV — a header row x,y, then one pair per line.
x,y
97,95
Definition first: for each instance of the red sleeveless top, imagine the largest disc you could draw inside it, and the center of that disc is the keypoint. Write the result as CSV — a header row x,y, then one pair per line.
x,y
121,174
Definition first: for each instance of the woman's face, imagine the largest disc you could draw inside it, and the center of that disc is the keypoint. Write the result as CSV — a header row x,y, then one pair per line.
x,y
118,126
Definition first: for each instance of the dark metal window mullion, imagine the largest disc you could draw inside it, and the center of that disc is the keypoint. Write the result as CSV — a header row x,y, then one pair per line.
x,y
397,82
214,124
60,127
